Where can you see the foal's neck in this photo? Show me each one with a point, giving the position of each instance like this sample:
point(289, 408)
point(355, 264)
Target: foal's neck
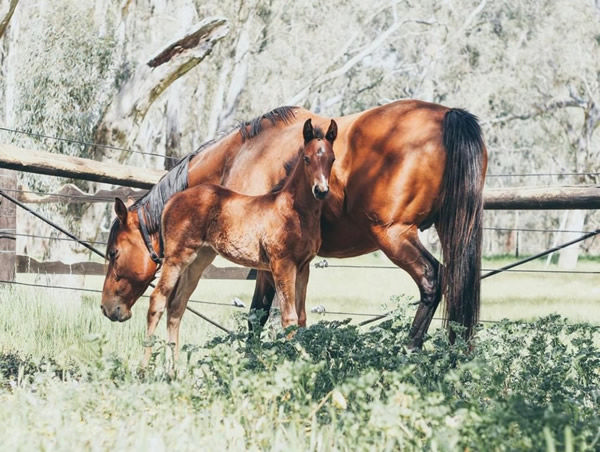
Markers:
point(300, 188)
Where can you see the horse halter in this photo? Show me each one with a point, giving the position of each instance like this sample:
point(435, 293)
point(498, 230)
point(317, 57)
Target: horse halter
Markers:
point(156, 257)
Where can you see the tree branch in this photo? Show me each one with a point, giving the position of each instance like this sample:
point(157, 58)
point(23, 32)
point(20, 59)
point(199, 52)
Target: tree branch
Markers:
point(123, 116)
point(374, 45)
point(539, 110)
point(6, 19)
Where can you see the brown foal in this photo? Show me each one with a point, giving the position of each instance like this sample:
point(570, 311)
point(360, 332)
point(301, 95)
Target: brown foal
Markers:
point(279, 232)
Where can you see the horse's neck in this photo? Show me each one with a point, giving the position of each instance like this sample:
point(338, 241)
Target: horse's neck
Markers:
point(300, 190)
point(208, 165)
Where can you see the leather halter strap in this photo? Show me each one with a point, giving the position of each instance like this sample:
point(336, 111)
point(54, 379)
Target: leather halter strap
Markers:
point(156, 257)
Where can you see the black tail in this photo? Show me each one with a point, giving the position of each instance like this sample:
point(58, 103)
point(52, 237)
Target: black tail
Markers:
point(459, 221)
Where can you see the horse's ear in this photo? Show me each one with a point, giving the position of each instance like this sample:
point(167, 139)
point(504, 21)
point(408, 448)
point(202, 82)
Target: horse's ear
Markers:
point(331, 132)
point(121, 210)
point(308, 132)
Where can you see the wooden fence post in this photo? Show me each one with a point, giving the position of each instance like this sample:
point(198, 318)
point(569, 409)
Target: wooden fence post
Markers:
point(8, 227)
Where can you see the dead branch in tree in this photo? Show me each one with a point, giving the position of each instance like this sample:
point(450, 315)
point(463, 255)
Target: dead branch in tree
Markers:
point(72, 194)
point(123, 116)
point(7, 16)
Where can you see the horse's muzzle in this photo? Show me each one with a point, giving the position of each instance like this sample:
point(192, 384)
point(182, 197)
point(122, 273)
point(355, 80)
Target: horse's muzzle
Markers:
point(319, 192)
point(117, 314)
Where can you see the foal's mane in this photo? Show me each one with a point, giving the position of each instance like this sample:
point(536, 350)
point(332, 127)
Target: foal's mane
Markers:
point(176, 180)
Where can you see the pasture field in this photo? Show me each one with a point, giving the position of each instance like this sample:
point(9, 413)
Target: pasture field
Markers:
point(70, 378)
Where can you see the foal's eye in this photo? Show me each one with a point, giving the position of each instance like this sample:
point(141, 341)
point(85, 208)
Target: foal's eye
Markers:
point(306, 159)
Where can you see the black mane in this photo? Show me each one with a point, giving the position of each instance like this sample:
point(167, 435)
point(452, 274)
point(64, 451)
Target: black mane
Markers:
point(249, 129)
point(153, 202)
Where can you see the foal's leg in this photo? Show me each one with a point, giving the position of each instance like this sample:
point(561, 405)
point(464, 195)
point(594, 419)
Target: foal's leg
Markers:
point(158, 300)
point(401, 244)
point(188, 280)
point(264, 292)
point(301, 285)
point(284, 274)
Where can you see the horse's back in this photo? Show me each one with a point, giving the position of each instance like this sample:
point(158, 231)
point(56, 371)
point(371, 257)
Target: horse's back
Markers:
point(395, 162)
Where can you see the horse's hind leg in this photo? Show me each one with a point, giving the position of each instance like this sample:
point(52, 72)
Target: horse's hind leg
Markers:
point(264, 292)
point(400, 242)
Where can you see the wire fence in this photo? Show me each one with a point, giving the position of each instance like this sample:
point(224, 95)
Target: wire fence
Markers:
point(59, 195)
point(83, 143)
point(544, 174)
point(98, 291)
point(324, 264)
point(236, 304)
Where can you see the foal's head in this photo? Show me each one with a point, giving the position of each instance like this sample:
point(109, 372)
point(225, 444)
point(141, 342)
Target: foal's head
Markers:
point(318, 157)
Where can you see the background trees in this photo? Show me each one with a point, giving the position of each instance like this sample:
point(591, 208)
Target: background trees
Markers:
point(529, 70)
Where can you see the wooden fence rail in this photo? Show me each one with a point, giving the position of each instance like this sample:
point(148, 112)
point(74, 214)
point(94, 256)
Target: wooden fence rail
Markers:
point(27, 264)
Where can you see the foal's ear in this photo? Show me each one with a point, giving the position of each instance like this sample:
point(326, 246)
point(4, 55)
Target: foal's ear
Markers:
point(331, 132)
point(121, 210)
point(308, 132)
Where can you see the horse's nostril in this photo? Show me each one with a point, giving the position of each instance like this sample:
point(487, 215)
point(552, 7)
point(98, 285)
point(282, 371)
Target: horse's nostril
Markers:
point(320, 194)
point(103, 309)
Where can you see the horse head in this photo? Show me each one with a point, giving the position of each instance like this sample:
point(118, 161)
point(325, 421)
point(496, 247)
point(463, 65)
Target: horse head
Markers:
point(130, 266)
point(318, 157)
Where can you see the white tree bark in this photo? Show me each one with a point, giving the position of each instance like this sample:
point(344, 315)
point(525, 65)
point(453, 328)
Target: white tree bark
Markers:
point(575, 222)
point(232, 78)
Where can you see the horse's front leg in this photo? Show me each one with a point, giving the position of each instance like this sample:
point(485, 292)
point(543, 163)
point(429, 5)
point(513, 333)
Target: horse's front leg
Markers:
point(158, 301)
point(284, 274)
point(185, 286)
point(301, 285)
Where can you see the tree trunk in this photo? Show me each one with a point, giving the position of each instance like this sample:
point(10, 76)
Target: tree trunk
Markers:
point(8, 227)
point(568, 257)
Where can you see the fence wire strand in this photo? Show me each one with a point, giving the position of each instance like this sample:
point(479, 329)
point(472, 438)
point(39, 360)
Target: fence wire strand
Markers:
point(84, 143)
point(214, 303)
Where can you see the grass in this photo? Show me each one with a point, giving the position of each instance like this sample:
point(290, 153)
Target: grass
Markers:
point(333, 387)
point(69, 378)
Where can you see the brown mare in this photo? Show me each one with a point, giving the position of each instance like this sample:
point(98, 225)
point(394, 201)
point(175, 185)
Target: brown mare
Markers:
point(279, 232)
point(399, 168)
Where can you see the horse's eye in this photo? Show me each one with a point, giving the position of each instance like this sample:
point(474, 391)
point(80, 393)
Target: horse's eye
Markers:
point(306, 159)
point(112, 254)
